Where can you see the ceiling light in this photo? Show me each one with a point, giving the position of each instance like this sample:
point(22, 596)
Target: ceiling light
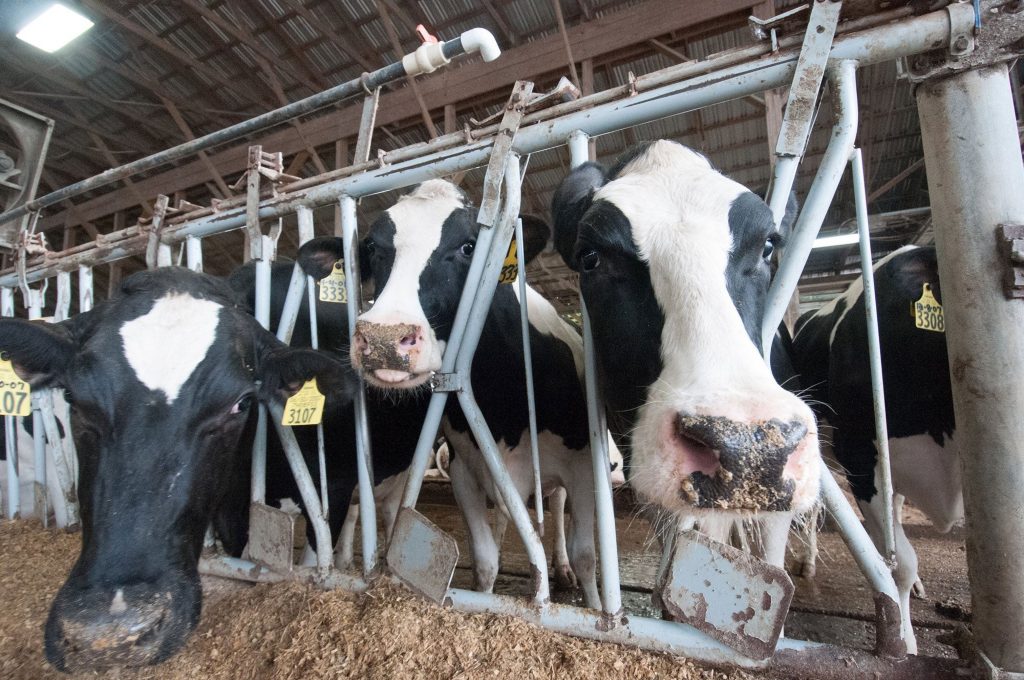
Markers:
point(54, 28)
point(838, 240)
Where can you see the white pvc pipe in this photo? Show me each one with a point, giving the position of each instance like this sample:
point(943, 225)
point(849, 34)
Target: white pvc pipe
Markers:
point(480, 40)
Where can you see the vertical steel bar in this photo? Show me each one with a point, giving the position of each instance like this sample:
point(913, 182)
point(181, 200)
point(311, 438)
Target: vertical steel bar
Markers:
point(607, 541)
point(367, 508)
point(85, 289)
point(531, 401)
point(783, 177)
point(874, 352)
point(259, 448)
point(975, 175)
point(10, 425)
point(844, 82)
point(62, 309)
point(41, 500)
point(194, 253)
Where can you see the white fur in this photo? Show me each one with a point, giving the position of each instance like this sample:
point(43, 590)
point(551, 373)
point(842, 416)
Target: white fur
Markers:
point(545, 319)
point(678, 207)
point(388, 497)
point(165, 345)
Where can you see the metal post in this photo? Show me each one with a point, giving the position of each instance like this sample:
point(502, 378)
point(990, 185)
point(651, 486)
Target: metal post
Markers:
point(85, 292)
point(975, 175)
point(844, 83)
point(367, 508)
point(62, 309)
point(607, 541)
point(875, 353)
point(10, 425)
point(194, 253)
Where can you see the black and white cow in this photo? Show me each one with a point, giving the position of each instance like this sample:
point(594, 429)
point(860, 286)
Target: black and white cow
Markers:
point(394, 423)
point(419, 252)
point(161, 380)
point(831, 355)
point(673, 260)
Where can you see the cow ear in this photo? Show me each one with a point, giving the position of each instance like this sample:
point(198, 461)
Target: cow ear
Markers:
point(536, 233)
point(40, 352)
point(283, 370)
point(571, 201)
point(317, 257)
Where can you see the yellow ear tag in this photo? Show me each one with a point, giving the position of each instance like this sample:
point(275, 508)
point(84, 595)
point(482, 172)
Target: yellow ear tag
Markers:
point(332, 286)
point(15, 393)
point(305, 407)
point(510, 267)
point(928, 312)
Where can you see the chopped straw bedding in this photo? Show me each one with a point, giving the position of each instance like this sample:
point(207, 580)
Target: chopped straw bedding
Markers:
point(295, 631)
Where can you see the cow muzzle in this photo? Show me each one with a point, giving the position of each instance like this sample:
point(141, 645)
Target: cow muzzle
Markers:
point(103, 628)
point(731, 465)
point(392, 355)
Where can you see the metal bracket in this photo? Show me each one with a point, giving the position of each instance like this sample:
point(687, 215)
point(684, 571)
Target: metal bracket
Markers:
point(447, 382)
point(769, 28)
point(421, 555)
point(366, 125)
point(1010, 238)
point(513, 116)
point(271, 166)
point(271, 537)
point(810, 70)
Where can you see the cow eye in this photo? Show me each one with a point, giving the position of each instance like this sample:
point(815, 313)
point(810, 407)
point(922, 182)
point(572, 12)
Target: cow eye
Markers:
point(467, 248)
point(769, 248)
point(589, 260)
point(242, 405)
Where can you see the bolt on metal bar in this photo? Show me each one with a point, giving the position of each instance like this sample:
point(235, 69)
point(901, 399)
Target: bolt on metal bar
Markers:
point(364, 460)
point(531, 401)
point(607, 541)
point(874, 353)
point(473, 40)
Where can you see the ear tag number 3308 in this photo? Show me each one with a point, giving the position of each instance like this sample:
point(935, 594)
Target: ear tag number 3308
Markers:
point(332, 286)
point(305, 407)
point(15, 394)
point(928, 312)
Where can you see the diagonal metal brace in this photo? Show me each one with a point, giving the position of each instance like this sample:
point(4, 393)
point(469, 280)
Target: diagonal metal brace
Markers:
point(514, 112)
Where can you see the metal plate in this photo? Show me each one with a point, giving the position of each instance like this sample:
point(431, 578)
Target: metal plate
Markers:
point(422, 556)
point(732, 596)
point(271, 537)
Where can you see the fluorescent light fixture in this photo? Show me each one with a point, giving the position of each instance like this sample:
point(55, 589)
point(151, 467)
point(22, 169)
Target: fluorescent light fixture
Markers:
point(832, 241)
point(54, 28)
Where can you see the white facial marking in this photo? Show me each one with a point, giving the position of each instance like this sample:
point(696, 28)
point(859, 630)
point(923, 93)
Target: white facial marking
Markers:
point(545, 319)
point(118, 605)
point(165, 345)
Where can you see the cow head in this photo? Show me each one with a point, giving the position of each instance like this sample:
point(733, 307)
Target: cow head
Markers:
point(161, 380)
point(418, 252)
point(673, 260)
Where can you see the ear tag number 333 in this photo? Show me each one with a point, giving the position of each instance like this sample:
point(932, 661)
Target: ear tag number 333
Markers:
point(14, 392)
point(305, 407)
point(332, 286)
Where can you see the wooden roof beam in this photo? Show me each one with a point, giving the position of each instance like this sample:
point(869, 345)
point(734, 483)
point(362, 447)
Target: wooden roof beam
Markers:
point(389, 27)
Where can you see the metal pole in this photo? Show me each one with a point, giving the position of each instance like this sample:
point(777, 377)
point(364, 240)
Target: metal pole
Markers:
point(194, 253)
point(874, 353)
point(607, 541)
point(85, 292)
point(844, 82)
point(367, 508)
point(10, 425)
point(975, 176)
point(531, 401)
point(259, 447)
point(62, 309)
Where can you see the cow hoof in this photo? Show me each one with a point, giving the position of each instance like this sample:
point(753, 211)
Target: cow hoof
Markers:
point(565, 579)
point(917, 590)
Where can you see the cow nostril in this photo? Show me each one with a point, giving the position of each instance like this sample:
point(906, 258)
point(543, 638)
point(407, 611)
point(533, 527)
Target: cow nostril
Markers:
point(409, 340)
point(361, 346)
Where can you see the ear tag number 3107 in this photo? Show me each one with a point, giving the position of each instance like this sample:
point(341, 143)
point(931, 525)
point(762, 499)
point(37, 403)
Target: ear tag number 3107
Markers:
point(15, 394)
point(928, 312)
point(305, 407)
point(332, 286)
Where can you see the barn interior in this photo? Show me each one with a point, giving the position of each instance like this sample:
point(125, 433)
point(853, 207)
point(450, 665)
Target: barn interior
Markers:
point(152, 74)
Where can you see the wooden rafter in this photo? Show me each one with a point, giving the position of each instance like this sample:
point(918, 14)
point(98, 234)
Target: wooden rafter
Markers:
point(389, 27)
point(203, 157)
point(328, 30)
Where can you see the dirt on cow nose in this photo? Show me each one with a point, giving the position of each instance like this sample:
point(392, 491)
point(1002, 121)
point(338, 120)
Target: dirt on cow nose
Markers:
point(386, 346)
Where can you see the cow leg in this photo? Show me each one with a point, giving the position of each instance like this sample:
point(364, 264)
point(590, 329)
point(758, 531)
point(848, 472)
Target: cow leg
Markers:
point(582, 553)
point(344, 548)
point(392, 502)
point(565, 579)
point(472, 501)
point(905, 573)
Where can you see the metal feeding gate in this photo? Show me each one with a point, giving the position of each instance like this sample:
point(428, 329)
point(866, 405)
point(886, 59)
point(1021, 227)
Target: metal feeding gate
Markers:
point(963, 94)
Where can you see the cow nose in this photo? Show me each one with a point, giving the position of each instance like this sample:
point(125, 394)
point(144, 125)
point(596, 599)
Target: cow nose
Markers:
point(106, 629)
point(733, 464)
point(390, 347)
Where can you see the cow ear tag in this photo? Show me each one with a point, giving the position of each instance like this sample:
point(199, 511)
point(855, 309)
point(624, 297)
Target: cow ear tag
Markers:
point(305, 407)
point(332, 286)
point(15, 393)
point(510, 267)
point(928, 312)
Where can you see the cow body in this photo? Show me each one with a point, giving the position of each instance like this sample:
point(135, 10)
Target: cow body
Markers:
point(674, 268)
point(161, 380)
point(831, 355)
point(419, 252)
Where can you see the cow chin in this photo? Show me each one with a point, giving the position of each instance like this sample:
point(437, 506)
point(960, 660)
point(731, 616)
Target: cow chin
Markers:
point(94, 628)
point(387, 379)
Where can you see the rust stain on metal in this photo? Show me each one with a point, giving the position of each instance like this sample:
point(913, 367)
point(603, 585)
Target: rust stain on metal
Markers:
point(888, 642)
